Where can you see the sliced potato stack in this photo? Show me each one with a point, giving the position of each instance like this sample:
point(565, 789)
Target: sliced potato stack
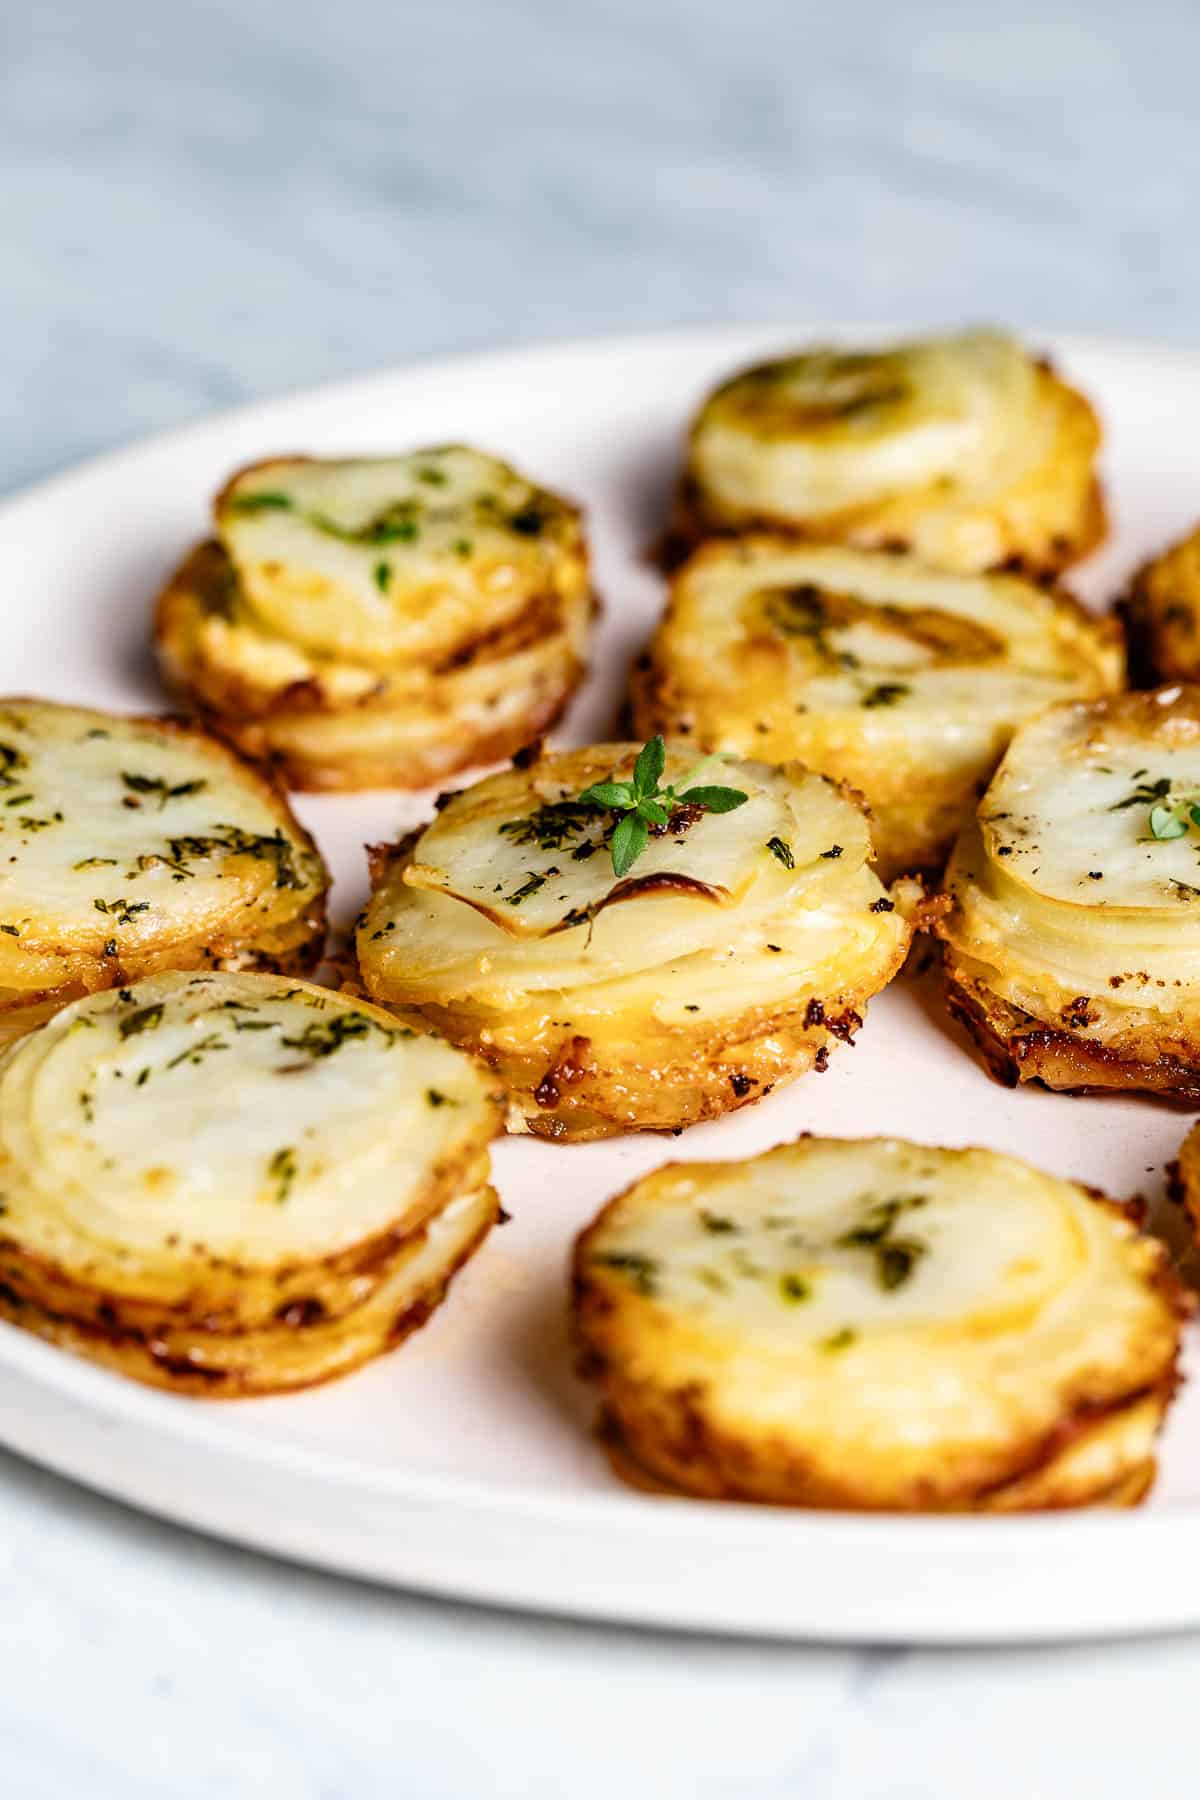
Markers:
point(882, 1326)
point(1072, 949)
point(966, 450)
point(381, 622)
point(131, 845)
point(1162, 615)
point(225, 1184)
point(905, 682)
point(729, 958)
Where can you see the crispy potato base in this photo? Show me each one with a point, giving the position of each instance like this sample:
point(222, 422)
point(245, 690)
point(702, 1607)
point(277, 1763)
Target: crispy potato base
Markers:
point(640, 1076)
point(302, 1347)
point(326, 727)
point(1049, 518)
point(1017, 1047)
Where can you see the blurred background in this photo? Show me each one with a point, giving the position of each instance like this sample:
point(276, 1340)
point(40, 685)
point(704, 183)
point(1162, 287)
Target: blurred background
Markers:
point(205, 201)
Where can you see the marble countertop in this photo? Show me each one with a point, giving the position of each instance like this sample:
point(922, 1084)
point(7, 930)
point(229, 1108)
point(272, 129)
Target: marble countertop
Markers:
point(214, 200)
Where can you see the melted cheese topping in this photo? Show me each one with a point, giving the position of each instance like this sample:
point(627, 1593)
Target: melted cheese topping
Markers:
point(131, 833)
point(288, 1122)
point(828, 430)
point(401, 559)
point(876, 1300)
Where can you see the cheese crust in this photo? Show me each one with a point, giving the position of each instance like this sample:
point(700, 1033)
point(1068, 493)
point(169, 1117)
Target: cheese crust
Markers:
point(1072, 941)
point(902, 681)
point(878, 1325)
point(129, 845)
point(734, 954)
point(1162, 615)
point(381, 622)
point(246, 1250)
point(963, 449)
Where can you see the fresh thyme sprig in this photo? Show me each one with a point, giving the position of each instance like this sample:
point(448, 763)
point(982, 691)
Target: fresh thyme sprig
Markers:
point(1170, 818)
point(643, 804)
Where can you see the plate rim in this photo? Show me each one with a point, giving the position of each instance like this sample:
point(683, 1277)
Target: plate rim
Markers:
point(182, 1424)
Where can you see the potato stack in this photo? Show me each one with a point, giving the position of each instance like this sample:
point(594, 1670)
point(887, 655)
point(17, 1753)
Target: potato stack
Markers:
point(903, 681)
point(735, 952)
point(381, 622)
point(130, 845)
point(879, 1325)
point(229, 1184)
point(965, 450)
point(1072, 947)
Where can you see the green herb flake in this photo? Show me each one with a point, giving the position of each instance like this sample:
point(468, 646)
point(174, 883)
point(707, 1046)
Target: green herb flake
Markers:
point(838, 1340)
point(781, 850)
point(529, 886)
point(717, 1223)
point(793, 1288)
point(283, 1171)
point(162, 791)
point(383, 576)
point(147, 1018)
point(886, 693)
point(263, 501)
point(641, 1270)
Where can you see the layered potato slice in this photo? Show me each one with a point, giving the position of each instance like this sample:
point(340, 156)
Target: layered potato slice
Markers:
point(1072, 944)
point(1162, 615)
point(129, 845)
point(878, 1325)
point(964, 449)
point(381, 622)
point(903, 681)
point(731, 956)
point(236, 1246)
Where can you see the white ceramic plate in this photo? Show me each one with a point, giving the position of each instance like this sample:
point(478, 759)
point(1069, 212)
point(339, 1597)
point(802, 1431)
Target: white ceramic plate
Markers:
point(463, 1464)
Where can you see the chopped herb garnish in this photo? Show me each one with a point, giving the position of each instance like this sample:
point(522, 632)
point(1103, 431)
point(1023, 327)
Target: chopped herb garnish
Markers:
point(793, 1288)
point(383, 576)
point(717, 1223)
point(147, 1018)
point(161, 790)
point(122, 910)
point(839, 1340)
point(195, 1053)
point(322, 1037)
point(96, 862)
point(260, 502)
point(529, 886)
point(642, 1270)
point(282, 1170)
point(886, 693)
point(781, 850)
point(551, 827)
